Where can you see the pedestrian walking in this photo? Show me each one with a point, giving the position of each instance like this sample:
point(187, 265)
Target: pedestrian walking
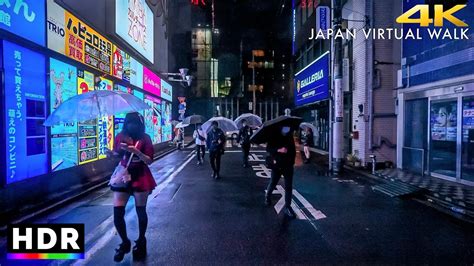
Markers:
point(307, 141)
point(200, 139)
point(215, 144)
point(281, 150)
point(133, 141)
point(244, 139)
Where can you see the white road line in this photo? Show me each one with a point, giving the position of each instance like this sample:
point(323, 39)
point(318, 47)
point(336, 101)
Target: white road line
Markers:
point(111, 233)
point(317, 214)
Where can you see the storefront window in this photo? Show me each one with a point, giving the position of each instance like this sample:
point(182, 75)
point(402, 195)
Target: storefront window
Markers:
point(467, 157)
point(443, 127)
point(415, 142)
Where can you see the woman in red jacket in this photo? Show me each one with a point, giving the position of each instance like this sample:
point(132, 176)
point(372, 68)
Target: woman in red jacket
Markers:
point(133, 140)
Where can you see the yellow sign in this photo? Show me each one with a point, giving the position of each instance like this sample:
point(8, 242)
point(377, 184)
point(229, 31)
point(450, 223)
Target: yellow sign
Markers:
point(86, 45)
point(439, 16)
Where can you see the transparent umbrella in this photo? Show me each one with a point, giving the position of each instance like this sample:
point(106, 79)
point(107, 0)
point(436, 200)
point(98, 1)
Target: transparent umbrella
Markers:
point(95, 104)
point(225, 124)
point(251, 119)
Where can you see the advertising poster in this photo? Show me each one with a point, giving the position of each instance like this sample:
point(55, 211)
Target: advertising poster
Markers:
point(166, 121)
point(166, 91)
point(153, 119)
point(87, 130)
point(136, 73)
point(134, 24)
point(126, 67)
point(157, 120)
point(63, 82)
point(24, 18)
point(467, 118)
point(25, 111)
point(55, 27)
point(140, 96)
point(151, 82)
point(63, 85)
point(443, 121)
point(119, 118)
point(86, 45)
point(181, 108)
point(312, 82)
point(117, 64)
point(106, 125)
point(85, 81)
point(148, 118)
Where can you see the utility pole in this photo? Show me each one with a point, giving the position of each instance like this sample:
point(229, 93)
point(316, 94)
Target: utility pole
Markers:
point(253, 86)
point(338, 138)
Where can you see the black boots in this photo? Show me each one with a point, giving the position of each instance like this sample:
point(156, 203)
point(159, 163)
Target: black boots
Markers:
point(139, 250)
point(122, 249)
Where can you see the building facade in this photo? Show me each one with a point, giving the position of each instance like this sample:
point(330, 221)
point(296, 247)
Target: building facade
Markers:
point(436, 105)
point(51, 53)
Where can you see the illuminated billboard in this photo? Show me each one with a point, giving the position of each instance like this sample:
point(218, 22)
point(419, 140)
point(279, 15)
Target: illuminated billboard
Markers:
point(312, 82)
point(24, 18)
point(151, 82)
point(63, 85)
point(166, 91)
point(136, 73)
point(134, 24)
point(25, 111)
point(72, 37)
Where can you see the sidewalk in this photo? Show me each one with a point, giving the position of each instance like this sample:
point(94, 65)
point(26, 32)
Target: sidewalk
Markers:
point(456, 198)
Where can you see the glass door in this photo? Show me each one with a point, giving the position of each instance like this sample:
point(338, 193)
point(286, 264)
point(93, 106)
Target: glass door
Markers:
point(467, 156)
point(443, 137)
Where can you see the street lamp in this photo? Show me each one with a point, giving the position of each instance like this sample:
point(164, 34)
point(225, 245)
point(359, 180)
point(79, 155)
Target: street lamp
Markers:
point(182, 76)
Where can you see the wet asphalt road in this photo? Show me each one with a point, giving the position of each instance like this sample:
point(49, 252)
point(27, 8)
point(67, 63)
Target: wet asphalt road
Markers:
point(196, 220)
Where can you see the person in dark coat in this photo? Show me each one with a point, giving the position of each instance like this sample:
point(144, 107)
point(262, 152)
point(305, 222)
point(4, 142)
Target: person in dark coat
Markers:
point(244, 139)
point(215, 144)
point(307, 141)
point(281, 150)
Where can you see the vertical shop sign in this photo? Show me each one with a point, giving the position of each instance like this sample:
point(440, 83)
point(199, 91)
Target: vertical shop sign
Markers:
point(25, 112)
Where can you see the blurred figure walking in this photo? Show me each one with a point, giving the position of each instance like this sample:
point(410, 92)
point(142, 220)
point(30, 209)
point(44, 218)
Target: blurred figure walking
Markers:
point(200, 139)
point(215, 144)
point(307, 141)
point(244, 139)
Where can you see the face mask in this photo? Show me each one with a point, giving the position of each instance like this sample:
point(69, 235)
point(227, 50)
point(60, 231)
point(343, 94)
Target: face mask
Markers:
point(285, 131)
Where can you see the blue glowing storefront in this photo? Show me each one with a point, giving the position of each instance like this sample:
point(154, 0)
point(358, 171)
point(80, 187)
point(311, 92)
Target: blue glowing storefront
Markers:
point(46, 61)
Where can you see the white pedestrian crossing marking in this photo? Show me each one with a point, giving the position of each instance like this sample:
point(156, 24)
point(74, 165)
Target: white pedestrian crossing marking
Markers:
point(262, 171)
point(314, 213)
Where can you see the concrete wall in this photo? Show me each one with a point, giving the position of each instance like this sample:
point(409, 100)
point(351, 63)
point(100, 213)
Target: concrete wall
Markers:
point(388, 52)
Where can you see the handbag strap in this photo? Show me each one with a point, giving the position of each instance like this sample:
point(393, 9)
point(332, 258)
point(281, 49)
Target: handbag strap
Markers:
point(131, 156)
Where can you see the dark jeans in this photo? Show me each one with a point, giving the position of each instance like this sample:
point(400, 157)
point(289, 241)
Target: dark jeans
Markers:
point(215, 158)
point(288, 175)
point(200, 149)
point(246, 151)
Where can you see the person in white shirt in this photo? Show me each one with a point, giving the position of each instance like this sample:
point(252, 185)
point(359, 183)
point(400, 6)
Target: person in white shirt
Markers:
point(200, 139)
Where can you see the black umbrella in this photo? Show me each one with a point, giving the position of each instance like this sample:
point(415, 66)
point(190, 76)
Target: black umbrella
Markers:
point(194, 119)
point(273, 127)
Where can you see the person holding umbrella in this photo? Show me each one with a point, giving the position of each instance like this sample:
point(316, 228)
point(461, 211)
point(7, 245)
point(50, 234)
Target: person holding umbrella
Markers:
point(133, 141)
point(307, 141)
point(200, 138)
point(215, 144)
point(244, 139)
point(281, 152)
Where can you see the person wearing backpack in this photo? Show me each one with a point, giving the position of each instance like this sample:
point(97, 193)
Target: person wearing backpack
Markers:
point(244, 139)
point(200, 139)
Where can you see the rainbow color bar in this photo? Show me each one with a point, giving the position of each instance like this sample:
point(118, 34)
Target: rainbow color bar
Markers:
point(45, 256)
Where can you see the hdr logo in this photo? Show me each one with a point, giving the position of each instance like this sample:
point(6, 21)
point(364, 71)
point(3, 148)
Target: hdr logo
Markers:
point(45, 241)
